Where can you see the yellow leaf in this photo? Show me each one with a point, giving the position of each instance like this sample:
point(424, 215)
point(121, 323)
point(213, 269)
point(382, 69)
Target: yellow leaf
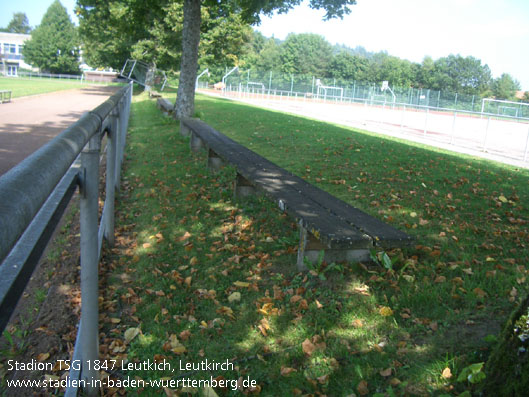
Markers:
point(503, 199)
point(447, 374)
point(174, 345)
point(234, 297)
point(385, 311)
point(242, 284)
point(130, 334)
point(43, 357)
point(358, 323)
point(413, 214)
point(227, 311)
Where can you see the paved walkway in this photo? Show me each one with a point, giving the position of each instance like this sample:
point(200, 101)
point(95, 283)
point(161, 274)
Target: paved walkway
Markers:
point(28, 123)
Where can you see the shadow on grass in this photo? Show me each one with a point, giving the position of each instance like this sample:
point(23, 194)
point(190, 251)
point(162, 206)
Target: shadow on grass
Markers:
point(188, 247)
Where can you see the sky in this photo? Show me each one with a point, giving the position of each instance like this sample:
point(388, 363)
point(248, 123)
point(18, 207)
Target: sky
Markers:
point(496, 32)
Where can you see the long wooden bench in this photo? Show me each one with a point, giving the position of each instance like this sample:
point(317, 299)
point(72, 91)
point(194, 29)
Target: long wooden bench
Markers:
point(164, 105)
point(326, 223)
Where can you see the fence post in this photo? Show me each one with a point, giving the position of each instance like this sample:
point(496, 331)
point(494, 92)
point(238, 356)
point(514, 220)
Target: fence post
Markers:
point(453, 128)
point(526, 147)
point(111, 181)
point(426, 121)
point(486, 135)
point(89, 264)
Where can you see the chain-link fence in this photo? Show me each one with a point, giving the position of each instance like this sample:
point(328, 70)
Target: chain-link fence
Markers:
point(499, 128)
point(275, 83)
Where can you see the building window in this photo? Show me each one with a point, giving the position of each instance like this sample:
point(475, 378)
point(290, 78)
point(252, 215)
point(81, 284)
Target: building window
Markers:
point(12, 70)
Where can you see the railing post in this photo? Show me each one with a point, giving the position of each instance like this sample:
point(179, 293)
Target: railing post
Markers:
point(111, 182)
point(89, 264)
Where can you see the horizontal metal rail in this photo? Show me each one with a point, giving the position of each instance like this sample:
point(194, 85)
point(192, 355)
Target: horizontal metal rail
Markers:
point(34, 195)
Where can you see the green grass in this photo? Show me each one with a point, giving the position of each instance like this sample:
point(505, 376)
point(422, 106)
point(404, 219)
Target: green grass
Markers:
point(21, 87)
point(185, 247)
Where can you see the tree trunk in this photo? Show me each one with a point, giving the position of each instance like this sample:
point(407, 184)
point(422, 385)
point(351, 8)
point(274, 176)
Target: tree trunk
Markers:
point(185, 100)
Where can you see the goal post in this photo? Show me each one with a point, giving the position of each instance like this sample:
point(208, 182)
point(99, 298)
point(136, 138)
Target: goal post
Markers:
point(504, 108)
point(144, 74)
point(324, 90)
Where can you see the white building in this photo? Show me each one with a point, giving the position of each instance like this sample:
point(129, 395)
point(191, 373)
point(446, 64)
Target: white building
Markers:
point(11, 57)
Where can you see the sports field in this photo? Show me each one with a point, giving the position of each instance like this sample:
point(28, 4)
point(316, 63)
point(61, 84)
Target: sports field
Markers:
point(498, 138)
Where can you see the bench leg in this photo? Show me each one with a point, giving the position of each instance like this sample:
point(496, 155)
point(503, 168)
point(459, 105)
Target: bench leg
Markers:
point(184, 131)
point(215, 163)
point(243, 187)
point(310, 248)
point(195, 143)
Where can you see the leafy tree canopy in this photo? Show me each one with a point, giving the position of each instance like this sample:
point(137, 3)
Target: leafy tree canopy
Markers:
point(505, 87)
point(19, 24)
point(53, 46)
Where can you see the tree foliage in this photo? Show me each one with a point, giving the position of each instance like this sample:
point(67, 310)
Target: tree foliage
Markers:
point(113, 31)
point(505, 87)
point(18, 24)
point(53, 46)
point(305, 53)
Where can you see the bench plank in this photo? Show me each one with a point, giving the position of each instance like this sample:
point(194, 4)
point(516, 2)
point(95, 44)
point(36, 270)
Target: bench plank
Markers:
point(336, 224)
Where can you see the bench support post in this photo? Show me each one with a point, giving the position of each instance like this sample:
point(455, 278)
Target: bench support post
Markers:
point(310, 247)
point(215, 163)
point(184, 130)
point(195, 143)
point(243, 187)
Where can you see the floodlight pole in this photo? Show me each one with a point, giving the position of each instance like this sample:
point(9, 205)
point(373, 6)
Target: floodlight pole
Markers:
point(226, 75)
point(199, 76)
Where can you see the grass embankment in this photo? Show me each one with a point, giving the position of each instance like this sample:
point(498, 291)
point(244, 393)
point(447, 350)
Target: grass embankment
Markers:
point(21, 86)
point(197, 275)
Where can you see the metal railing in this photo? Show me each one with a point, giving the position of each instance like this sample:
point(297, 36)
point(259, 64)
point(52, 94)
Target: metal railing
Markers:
point(34, 195)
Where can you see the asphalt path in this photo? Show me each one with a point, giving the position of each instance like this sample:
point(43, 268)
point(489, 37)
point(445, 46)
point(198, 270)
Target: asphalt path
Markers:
point(27, 123)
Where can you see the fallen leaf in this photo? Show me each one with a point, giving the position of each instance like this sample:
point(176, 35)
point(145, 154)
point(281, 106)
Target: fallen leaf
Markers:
point(184, 335)
point(295, 298)
point(242, 284)
point(447, 374)
point(174, 345)
point(357, 323)
point(386, 372)
point(130, 334)
point(227, 311)
point(385, 311)
point(285, 371)
point(234, 297)
point(43, 357)
point(362, 388)
point(480, 293)
point(308, 347)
